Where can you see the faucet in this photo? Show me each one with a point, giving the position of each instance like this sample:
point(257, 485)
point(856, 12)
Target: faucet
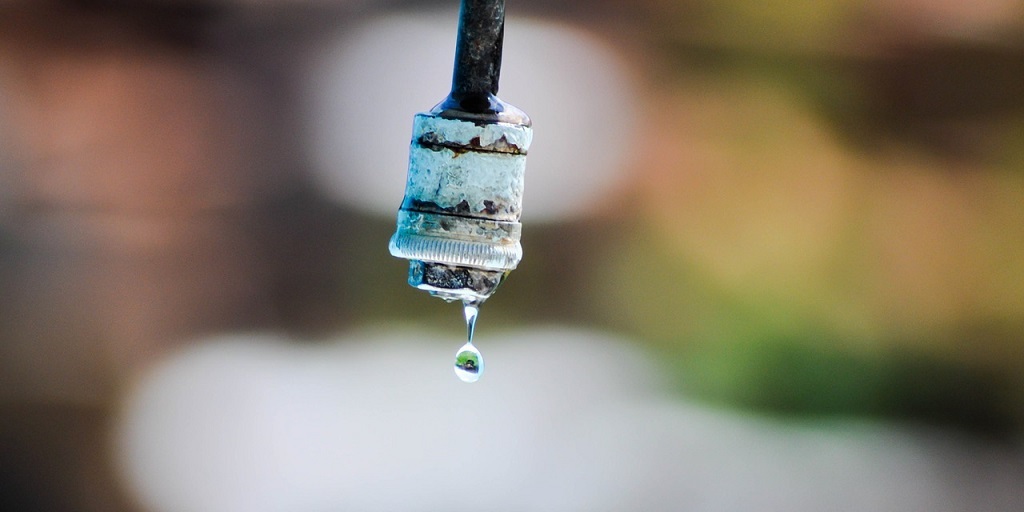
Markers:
point(458, 224)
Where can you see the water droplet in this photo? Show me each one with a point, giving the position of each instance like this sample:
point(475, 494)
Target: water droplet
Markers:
point(469, 363)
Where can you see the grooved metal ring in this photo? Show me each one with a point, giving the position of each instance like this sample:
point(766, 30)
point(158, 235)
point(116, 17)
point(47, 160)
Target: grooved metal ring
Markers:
point(456, 252)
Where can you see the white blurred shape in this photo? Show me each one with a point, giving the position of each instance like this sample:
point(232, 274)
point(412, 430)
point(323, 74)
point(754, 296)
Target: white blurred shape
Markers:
point(563, 421)
point(366, 89)
point(255, 424)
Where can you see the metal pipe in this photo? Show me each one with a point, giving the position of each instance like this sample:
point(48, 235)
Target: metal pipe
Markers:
point(478, 54)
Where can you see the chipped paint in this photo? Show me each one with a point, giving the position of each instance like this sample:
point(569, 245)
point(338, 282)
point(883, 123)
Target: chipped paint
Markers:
point(503, 137)
point(453, 161)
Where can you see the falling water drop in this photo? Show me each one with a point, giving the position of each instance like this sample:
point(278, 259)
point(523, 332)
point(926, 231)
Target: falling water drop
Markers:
point(469, 363)
point(471, 310)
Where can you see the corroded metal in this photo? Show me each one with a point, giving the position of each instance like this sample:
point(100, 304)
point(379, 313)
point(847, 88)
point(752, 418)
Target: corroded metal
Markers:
point(459, 222)
point(478, 53)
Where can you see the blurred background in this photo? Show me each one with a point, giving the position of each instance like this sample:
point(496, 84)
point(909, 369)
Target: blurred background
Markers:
point(774, 259)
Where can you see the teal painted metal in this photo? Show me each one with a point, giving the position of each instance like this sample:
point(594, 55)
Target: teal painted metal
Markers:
point(459, 222)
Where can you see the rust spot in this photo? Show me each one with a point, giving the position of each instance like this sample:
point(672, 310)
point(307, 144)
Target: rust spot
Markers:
point(431, 207)
point(490, 208)
point(433, 142)
point(417, 205)
point(504, 146)
point(461, 210)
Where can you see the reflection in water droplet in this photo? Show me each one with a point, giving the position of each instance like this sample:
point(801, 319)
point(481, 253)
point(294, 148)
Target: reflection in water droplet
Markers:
point(469, 363)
